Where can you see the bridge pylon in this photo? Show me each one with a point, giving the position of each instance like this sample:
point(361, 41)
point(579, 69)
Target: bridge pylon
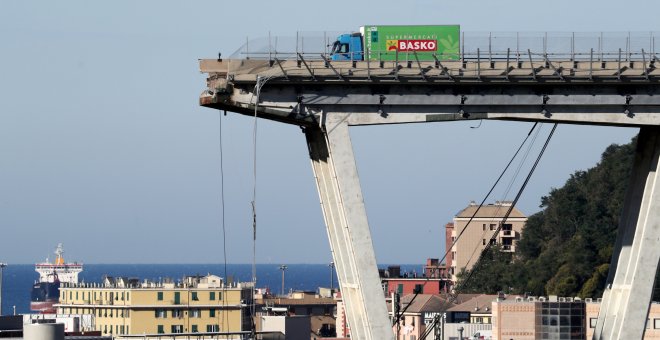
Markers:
point(338, 184)
point(629, 288)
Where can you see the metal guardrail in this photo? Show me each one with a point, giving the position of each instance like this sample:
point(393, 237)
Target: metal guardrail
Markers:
point(596, 46)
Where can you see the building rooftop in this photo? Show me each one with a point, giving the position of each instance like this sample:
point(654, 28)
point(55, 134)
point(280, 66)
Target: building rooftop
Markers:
point(423, 303)
point(479, 304)
point(307, 300)
point(209, 281)
point(497, 210)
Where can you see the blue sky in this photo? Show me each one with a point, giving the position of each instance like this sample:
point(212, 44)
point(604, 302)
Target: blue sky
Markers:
point(103, 146)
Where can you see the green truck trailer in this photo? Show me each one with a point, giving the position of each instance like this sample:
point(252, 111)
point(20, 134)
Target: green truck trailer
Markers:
point(386, 43)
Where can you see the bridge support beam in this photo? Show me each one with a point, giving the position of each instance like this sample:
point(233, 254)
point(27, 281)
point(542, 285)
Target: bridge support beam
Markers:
point(625, 305)
point(333, 162)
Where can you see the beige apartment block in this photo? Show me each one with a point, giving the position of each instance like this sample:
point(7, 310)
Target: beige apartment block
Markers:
point(198, 304)
point(554, 317)
point(478, 233)
point(652, 322)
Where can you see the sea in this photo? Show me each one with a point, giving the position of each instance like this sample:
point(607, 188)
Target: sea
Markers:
point(18, 279)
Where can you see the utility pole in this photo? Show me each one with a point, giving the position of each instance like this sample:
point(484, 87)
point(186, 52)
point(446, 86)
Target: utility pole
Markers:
point(283, 268)
point(2, 267)
point(332, 274)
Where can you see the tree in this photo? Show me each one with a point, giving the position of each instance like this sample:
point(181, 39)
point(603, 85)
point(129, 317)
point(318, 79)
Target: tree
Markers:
point(565, 249)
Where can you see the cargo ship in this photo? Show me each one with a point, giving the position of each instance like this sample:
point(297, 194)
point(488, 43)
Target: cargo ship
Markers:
point(46, 292)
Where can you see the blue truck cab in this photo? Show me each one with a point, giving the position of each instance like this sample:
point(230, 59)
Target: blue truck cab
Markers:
point(347, 47)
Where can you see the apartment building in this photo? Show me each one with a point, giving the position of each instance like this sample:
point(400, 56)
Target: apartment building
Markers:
point(552, 317)
point(197, 304)
point(479, 225)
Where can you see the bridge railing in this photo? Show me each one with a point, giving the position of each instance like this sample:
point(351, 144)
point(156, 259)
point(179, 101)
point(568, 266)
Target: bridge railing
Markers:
point(598, 46)
point(612, 55)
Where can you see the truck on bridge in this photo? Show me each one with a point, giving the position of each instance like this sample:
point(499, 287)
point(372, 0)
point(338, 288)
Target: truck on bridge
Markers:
point(382, 43)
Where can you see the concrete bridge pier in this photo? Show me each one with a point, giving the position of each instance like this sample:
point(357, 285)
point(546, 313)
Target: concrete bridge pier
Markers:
point(333, 162)
point(625, 306)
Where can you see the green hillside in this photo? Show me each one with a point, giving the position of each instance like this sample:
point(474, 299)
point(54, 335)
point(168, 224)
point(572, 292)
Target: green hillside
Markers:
point(565, 249)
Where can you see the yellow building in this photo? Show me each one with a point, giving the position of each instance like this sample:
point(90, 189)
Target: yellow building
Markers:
point(196, 305)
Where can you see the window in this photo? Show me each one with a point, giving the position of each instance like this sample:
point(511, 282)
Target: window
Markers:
point(492, 226)
point(121, 328)
point(176, 313)
point(177, 328)
point(483, 242)
point(160, 296)
point(194, 296)
point(399, 288)
point(161, 313)
point(219, 295)
point(492, 242)
point(335, 47)
point(195, 313)
point(484, 226)
point(194, 329)
point(76, 295)
point(161, 329)
point(212, 328)
point(127, 295)
point(656, 323)
point(122, 296)
point(212, 296)
point(177, 298)
point(419, 289)
point(211, 313)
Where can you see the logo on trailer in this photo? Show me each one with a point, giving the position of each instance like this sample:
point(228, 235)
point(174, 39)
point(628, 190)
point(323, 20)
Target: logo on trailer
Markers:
point(412, 45)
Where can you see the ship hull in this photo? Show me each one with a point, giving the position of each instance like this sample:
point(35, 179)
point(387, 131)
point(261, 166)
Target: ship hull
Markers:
point(44, 296)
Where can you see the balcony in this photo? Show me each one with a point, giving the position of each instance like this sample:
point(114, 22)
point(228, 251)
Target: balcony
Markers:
point(508, 248)
point(507, 233)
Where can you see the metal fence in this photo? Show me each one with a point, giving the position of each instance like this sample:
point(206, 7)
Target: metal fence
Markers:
point(596, 46)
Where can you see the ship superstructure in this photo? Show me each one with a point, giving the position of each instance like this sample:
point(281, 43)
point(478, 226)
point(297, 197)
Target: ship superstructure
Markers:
point(45, 292)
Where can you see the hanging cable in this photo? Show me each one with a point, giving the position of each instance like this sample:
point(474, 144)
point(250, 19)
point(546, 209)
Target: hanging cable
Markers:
point(506, 216)
point(454, 296)
point(508, 188)
point(257, 92)
point(224, 229)
point(447, 251)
